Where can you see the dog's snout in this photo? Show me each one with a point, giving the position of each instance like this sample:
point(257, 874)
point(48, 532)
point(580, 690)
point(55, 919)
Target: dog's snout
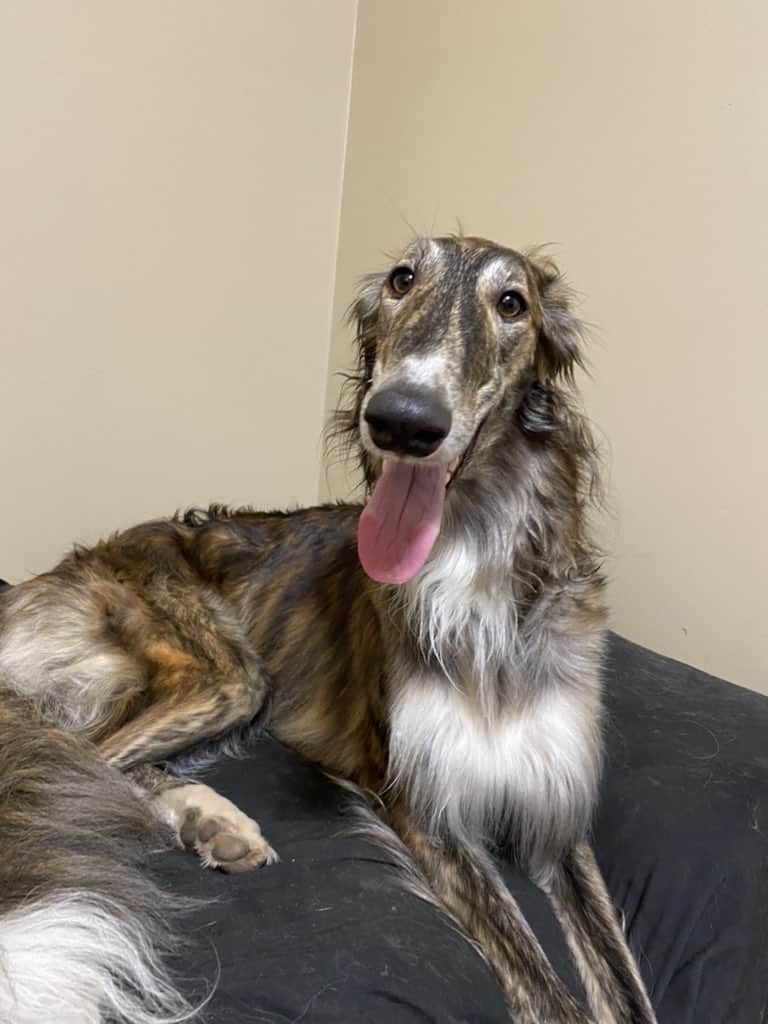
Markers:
point(408, 422)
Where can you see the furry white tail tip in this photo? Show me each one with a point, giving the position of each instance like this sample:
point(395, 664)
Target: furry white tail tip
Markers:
point(73, 959)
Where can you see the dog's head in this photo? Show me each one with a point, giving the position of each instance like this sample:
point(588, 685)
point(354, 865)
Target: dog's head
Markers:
point(460, 332)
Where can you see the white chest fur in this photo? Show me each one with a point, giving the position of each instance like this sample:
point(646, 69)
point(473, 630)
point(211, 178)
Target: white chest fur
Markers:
point(527, 778)
point(458, 602)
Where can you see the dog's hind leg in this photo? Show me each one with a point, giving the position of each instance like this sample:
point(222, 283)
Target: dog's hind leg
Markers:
point(195, 695)
point(463, 879)
point(202, 678)
point(204, 821)
point(583, 906)
point(186, 715)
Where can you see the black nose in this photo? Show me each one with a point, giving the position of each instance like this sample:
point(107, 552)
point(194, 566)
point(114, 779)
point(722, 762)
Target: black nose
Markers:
point(407, 422)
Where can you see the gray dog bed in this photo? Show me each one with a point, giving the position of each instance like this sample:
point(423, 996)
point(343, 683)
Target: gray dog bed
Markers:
point(329, 935)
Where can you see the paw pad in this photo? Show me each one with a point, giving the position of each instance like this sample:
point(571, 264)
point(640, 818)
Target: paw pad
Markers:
point(232, 843)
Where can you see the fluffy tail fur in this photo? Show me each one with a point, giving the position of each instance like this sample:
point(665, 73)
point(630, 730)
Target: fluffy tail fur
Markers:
point(82, 931)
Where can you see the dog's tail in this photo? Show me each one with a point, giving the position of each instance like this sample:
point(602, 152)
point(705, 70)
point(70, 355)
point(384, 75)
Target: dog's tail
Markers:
point(83, 933)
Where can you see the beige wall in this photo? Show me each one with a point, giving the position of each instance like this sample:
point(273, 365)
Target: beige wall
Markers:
point(170, 178)
point(635, 137)
point(171, 175)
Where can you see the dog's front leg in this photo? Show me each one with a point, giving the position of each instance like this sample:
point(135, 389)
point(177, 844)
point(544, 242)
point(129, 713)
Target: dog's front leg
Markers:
point(463, 878)
point(583, 906)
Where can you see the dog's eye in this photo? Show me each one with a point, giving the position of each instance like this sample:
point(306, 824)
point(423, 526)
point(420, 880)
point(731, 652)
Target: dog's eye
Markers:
point(401, 280)
point(511, 304)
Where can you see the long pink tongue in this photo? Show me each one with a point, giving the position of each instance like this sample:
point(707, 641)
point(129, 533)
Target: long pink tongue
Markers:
point(401, 521)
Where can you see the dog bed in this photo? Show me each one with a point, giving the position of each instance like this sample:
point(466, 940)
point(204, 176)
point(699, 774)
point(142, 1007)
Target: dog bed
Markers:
point(330, 934)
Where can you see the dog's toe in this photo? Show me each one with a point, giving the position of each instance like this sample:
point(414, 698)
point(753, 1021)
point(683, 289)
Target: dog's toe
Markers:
point(221, 835)
point(233, 843)
point(256, 857)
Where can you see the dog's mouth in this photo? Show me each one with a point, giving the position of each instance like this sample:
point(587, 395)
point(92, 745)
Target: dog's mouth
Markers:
point(401, 521)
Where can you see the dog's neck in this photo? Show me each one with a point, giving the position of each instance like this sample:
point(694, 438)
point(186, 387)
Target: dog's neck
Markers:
point(506, 536)
point(464, 608)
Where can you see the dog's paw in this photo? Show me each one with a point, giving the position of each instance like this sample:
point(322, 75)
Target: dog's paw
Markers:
point(221, 835)
point(228, 840)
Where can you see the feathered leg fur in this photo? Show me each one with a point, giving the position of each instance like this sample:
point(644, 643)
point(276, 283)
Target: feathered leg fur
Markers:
point(583, 906)
point(462, 876)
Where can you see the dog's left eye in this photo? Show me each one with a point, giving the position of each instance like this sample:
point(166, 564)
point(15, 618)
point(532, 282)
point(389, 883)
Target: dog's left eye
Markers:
point(511, 304)
point(401, 280)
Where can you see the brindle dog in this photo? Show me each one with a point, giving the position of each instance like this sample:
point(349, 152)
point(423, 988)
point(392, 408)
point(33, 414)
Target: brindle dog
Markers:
point(440, 648)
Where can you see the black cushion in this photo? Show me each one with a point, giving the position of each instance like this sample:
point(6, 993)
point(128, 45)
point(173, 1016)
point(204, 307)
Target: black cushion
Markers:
point(681, 834)
point(330, 935)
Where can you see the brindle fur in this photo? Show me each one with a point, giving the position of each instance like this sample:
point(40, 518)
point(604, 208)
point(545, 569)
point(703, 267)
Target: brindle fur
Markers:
point(176, 631)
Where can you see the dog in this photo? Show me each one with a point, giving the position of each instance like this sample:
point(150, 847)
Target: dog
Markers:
point(439, 649)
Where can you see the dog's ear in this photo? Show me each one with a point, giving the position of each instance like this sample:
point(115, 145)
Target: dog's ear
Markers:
point(561, 336)
point(363, 315)
point(343, 432)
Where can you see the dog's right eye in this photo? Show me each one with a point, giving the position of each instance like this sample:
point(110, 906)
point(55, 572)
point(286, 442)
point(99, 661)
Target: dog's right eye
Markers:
point(511, 305)
point(401, 280)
